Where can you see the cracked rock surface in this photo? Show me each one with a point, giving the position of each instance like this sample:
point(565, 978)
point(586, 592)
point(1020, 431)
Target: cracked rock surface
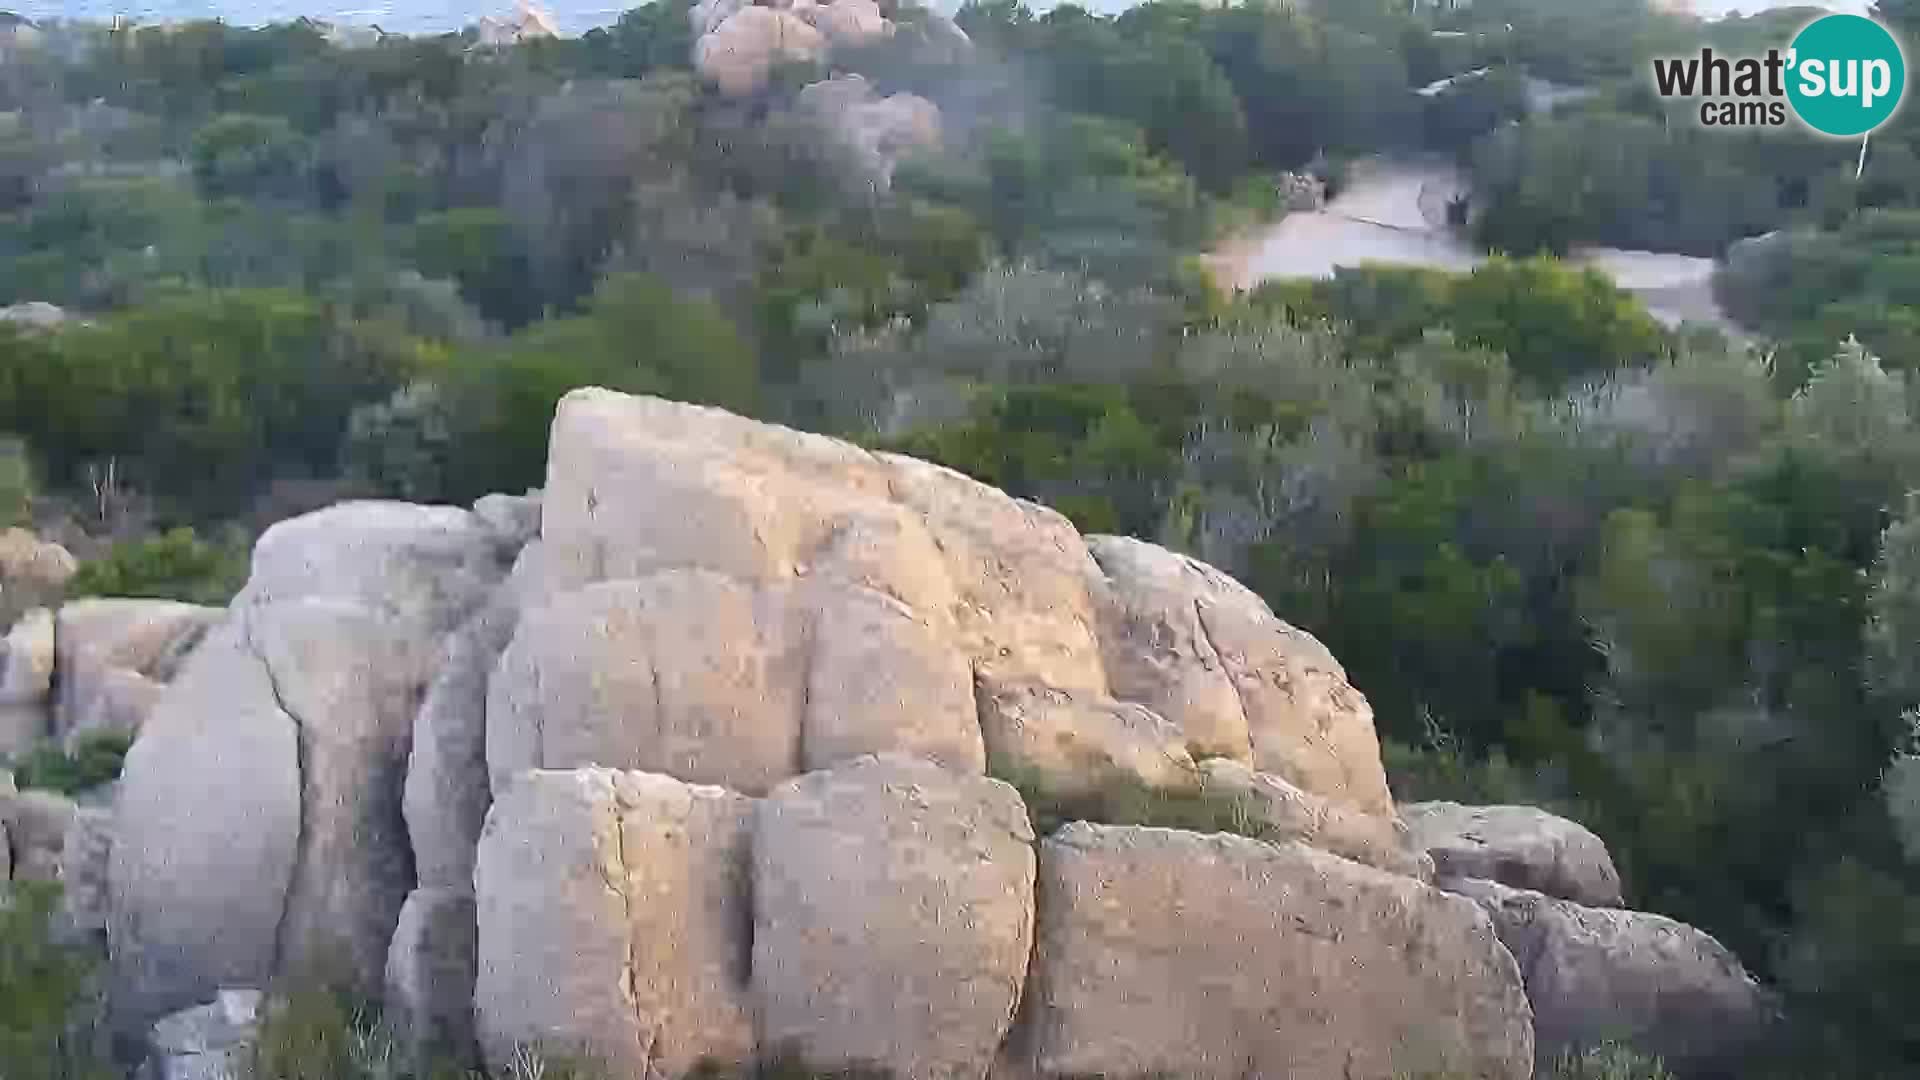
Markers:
point(259, 826)
point(688, 757)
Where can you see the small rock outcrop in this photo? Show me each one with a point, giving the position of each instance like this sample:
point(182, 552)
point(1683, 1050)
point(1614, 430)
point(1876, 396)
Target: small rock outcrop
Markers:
point(33, 573)
point(36, 824)
point(26, 682)
point(737, 44)
point(1207, 653)
point(205, 1042)
point(739, 54)
point(114, 656)
point(1599, 974)
point(34, 315)
point(95, 665)
point(875, 133)
point(1289, 962)
point(1521, 846)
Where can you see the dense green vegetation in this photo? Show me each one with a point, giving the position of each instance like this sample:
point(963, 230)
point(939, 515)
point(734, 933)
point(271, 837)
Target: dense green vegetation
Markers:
point(95, 760)
point(1658, 580)
point(47, 991)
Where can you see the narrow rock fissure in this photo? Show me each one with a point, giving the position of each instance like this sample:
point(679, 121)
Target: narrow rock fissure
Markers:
point(280, 944)
point(644, 1036)
point(1206, 636)
point(809, 665)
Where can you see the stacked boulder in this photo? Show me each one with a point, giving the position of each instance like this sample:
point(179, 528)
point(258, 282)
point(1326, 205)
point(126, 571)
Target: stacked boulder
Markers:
point(739, 43)
point(94, 665)
point(701, 755)
point(874, 133)
point(1594, 973)
point(49, 838)
point(259, 823)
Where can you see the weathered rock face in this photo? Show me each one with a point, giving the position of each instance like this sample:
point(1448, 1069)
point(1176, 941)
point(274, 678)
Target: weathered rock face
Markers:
point(482, 789)
point(737, 42)
point(740, 53)
point(614, 919)
point(845, 23)
point(26, 680)
point(33, 572)
point(1208, 654)
point(1288, 962)
point(259, 826)
point(207, 825)
point(684, 672)
point(1291, 814)
point(1596, 974)
point(893, 917)
point(430, 975)
point(85, 855)
point(1072, 742)
point(875, 133)
point(36, 823)
point(206, 1042)
point(880, 676)
point(1521, 846)
point(114, 656)
point(447, 794)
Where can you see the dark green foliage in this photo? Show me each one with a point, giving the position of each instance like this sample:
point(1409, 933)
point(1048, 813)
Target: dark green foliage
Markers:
point(176, 565)
point(1812, 288)
point(1097, 459)
point(48, 992)
point(479, 249)
point(1124, 800)
point(1552, 322)
point(238, 155)
point(784, 1066)
point(635, 336)
point(95, 760)
point(201, 397)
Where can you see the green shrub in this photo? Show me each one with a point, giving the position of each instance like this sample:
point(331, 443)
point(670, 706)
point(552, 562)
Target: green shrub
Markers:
point(784, 1066)
point(95, 760)
point(1125, 800)
point(312, 1031)
point(176, 565)
point(1608, 1061)
point(48, 996)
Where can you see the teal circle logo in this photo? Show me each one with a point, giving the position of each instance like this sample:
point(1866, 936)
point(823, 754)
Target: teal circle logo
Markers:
point(1846, 75)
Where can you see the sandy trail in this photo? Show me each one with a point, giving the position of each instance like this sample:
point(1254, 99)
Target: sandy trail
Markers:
point(1394, 213)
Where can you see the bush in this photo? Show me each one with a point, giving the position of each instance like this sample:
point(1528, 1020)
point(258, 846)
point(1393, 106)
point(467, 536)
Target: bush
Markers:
point(1609, 1061)
point(177, 565)
point(48, 998)
point(96, 760)
point(1125, 800)
point(312, 1031)
point(635, 336)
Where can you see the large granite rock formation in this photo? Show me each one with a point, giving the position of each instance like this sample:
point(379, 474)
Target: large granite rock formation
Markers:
point(689, 758)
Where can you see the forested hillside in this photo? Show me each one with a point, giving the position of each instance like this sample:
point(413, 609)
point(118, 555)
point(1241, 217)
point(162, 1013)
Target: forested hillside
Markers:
point(1663, 582)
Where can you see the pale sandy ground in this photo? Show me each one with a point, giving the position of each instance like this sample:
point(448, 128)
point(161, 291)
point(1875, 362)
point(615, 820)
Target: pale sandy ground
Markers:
point(1394, 213)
